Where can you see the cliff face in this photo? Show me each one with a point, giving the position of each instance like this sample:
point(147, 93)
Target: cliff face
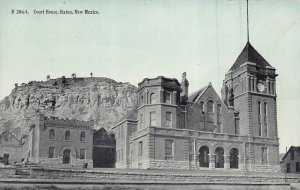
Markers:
point(100, 99)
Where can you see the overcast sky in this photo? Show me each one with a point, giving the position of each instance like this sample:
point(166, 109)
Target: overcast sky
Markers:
point(132, 40)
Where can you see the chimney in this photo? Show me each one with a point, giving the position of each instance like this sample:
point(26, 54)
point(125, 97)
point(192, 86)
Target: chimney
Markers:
point(185, 87)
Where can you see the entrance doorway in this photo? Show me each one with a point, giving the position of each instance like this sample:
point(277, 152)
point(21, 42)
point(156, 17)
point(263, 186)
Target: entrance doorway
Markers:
point(66, 156)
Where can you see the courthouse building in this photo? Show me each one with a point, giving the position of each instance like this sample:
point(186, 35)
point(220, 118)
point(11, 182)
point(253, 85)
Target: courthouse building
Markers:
point(177, 130)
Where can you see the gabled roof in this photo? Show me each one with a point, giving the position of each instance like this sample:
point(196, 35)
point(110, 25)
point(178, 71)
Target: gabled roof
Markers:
point(297, 148)
point(196, 94)
point(249, 54)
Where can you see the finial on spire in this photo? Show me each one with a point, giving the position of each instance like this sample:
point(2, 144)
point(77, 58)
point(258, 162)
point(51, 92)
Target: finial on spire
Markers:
point(247, 23)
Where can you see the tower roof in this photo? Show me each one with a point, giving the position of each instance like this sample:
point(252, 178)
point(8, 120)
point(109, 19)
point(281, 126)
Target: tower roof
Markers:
point(249, 54)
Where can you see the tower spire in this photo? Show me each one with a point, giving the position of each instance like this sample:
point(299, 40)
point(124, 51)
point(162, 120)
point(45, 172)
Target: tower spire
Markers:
point(247, 23)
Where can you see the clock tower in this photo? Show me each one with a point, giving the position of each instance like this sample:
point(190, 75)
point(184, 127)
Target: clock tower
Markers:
point(249, 91)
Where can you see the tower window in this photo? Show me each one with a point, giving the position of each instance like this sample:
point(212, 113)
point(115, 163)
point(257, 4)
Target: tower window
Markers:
point(141, 121)
point(167, 98)
point(297, 166)
point(140, 148)
point(153, 118)
point(142, 100)
point(265, 108)
point(210, 106)
point(152, 98)
point(236, 126)
point(168, 119)
point(264, 157)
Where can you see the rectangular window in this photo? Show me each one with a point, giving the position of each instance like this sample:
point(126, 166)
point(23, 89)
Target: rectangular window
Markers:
point(292, 155)
point(259, 129)
point(169, 149)
point(82, 153)
point(297, 166)
point(236, 126)
point(51, 152)
point(264, 155)
point(167, 98)
point(140, 148)
point(288, 168)
point(168, 119)
point(152, 118)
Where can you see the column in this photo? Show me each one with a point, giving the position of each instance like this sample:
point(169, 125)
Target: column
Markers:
point(212, 158)
point(226, 162)
point(255, 84)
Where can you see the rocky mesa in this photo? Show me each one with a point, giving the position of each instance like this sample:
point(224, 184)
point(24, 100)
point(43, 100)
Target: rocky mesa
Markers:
point(100, 99)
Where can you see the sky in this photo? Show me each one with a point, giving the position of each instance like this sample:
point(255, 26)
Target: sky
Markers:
point(131, 40)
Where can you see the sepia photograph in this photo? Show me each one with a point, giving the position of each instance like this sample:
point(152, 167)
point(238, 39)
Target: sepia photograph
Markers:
point(150, 94)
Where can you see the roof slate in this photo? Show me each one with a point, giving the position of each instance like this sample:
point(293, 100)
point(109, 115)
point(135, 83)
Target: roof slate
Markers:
point(249, 54)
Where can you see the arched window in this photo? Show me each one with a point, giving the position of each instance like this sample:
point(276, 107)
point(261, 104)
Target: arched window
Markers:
point(51, 134)
point(201, 104)
point(82, 136)
point(219, 160)
point(258, 108)
point(219, 109)
point(210, 106)
point(67, 136)
point(204, 156)
point(234, 158)
point(265, 108)
point(152, 98)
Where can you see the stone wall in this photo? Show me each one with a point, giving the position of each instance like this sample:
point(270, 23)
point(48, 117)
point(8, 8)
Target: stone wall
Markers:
point(8, 171)
point(57, 163)
point(156, 175)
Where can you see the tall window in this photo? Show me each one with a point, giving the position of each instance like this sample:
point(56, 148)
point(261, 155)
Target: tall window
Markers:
point(141, 121)
point(264, 157)
point(82, 153)
point(297, 166)
point(168, 119)
point(122, 131)
point(152, 98)
point(51, 134)
point(210, 106)
point(259, 111)
point(140, 148)
point(67, 136)
point(169, 149)
point(82, 136)
point(204, 156)
point(153, 118)
point(219, 117)
point(259, 129)
point(265, 108)
point(201, 105)
point(236, 126)
point(167, 98)
point(51, 152)
point(292, 154)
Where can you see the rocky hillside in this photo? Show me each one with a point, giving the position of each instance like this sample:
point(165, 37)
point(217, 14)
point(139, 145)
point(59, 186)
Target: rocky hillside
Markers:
point(100, 99)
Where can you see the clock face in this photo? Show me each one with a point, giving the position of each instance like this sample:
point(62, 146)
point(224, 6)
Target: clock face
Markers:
point(261, 87)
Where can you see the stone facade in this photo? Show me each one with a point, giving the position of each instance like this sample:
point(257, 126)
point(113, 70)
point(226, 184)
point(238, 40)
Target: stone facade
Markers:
point(177, 130)
point(290, 162)
point(11, 148)
point(61, 143)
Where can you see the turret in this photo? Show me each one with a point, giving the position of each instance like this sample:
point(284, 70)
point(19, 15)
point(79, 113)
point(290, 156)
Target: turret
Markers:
point(185, 88)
